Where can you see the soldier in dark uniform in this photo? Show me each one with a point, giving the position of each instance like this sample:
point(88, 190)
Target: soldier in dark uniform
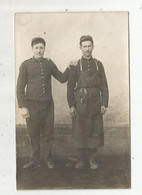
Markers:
point(87, 94)
point(34, 94)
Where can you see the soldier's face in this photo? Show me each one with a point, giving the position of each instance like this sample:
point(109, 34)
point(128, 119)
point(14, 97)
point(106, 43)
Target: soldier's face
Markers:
point(86, 48)
point(38, 50)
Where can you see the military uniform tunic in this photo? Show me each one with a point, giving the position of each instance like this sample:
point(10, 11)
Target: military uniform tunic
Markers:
point(35, 75)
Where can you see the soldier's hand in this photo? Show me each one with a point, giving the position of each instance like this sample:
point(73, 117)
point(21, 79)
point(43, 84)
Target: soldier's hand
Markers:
point(103, 110)
point(24, 112)
point(72, 63)
point(73, 111)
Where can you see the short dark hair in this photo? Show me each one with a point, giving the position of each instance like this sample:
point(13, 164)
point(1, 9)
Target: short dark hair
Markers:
point(37, 40)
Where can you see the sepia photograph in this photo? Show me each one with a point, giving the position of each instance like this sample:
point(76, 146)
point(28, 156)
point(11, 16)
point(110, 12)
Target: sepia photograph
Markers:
point(72, 100)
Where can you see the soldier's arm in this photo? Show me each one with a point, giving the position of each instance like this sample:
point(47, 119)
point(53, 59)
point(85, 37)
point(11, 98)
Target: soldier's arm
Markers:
point(71, 86)
point(103, 86)
point(21, 84)
point(61, 77)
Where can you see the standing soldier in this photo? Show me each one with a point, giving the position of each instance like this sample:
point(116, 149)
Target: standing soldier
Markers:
point(87, 94)
point(34, 94)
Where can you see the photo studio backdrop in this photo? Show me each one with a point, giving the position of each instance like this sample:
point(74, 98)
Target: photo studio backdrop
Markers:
point(62, 32)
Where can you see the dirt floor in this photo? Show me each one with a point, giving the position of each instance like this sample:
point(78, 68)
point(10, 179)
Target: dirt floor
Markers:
point(114, 173)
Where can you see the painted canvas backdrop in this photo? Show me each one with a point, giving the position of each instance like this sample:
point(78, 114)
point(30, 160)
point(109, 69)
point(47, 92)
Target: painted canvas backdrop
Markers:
point(62, 32)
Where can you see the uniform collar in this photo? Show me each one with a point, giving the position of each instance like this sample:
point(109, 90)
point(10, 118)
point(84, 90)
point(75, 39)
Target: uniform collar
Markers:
point(85, 59)
point(38, 60)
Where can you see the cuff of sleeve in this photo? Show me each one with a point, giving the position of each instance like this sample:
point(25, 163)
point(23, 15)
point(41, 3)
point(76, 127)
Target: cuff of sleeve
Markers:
point(105, 105)
point(22, 105)
point(71, 105)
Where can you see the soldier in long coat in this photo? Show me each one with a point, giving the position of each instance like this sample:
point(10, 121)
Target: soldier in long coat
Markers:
point(34, 94)
point(87, 95)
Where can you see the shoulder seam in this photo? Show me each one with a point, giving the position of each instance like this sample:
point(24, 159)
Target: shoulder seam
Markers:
point(26, 60)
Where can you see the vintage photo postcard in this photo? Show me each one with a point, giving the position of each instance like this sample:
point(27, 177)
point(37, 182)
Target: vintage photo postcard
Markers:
point(72, 100)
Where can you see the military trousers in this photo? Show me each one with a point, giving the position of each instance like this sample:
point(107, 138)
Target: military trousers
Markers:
point(40, 124)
